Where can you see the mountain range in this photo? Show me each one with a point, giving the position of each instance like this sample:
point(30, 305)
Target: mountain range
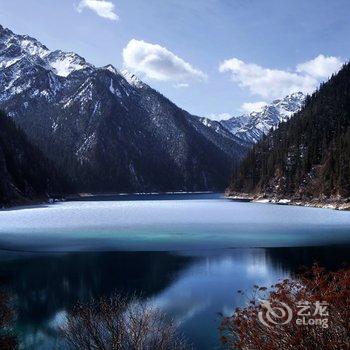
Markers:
point(106, 130)
point(253, 126)
point(69, 126)
point(307, 158)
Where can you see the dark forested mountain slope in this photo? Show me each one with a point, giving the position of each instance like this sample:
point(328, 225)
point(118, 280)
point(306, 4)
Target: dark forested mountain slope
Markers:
point(307, 157)
point(25, 173)
point(108, 129)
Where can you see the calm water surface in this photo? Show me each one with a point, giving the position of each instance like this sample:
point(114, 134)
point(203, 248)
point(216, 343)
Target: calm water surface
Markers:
point(188, 254)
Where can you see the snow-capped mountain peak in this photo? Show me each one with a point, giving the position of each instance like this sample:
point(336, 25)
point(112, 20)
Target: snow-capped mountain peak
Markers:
point(289, 104)
point(132, 79)
point(251, 127)
point(14, 48)
point(111, 68)
point(31, 46)
point(64, 63)
point(24, 44)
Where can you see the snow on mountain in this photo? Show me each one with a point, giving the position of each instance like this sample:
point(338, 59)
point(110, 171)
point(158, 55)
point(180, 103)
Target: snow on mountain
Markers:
point(132, 79)
point(17, 47)
point(117, 131)
point(251, 127)
point(221, 130)
point(64, 63)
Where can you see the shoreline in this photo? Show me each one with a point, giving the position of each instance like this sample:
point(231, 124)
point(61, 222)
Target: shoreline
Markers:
point(111, 194)
point(20, 204)
point(334, 203)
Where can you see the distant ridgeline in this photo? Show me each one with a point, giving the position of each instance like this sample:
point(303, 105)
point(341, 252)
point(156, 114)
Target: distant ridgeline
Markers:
point(25, 173)
point(307, 157)
point(110, 131)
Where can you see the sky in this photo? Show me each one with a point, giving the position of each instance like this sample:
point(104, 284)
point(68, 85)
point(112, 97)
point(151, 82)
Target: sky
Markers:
point(214, 58)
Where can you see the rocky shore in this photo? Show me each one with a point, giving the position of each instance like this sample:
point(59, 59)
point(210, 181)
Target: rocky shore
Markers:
point(333, 202)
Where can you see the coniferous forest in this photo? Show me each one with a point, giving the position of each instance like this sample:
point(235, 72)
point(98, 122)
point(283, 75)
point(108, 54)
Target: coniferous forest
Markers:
point(308, 156)
point(25, 173)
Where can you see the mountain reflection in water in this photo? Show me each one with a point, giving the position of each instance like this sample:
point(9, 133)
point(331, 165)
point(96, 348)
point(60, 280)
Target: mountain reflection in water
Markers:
point(192, 286)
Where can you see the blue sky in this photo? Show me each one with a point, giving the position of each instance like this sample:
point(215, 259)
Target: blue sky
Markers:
point(208, 56)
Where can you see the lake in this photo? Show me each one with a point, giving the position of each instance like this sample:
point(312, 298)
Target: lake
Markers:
point(188, 253)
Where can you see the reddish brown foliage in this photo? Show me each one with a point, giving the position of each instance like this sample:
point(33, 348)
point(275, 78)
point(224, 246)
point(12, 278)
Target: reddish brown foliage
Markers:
point(244, 331)
point(7, 339)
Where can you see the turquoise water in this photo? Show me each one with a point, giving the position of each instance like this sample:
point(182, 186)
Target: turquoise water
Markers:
point(203, 222)
point(187, 254)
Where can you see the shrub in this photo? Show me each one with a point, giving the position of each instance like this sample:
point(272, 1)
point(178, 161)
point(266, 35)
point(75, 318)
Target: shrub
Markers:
point(119, 323)
point(243, 330)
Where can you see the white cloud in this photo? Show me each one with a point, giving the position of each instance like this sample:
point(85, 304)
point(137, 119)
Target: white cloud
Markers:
point(250, 107)
point(275, 83)
point(321, 66)
point(103, 8)
point(158, 63)
point(247, 107)
point(220, 116)
point(181, 85)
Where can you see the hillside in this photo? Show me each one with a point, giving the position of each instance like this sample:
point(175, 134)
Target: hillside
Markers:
point(25, 174)
point(307, 159)
point(108, 129)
